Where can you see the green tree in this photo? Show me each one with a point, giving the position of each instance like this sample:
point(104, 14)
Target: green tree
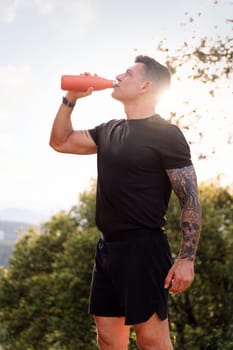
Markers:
point(206, 60)
point(44, 294)
point(201, 318)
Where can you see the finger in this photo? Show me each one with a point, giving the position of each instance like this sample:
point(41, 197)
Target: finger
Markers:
point(179, 287)
point(90, 90)
point(168, 280)
point(176, 286)
point(173, 287)
point(87, 92)
point(185, 286)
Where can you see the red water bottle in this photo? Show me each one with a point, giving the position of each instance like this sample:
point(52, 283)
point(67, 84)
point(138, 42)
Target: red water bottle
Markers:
point(84, 81)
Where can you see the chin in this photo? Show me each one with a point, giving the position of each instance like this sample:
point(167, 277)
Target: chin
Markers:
point(114, 95)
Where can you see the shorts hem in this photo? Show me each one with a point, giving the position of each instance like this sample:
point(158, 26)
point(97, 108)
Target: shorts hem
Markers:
point(129, 321)
point(104, 314)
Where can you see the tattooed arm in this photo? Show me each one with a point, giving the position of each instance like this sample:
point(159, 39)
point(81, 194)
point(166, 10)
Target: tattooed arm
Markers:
point(184, 184)
point(63, 138)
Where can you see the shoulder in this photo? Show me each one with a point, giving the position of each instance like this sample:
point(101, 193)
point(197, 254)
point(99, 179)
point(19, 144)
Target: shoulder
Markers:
point(169, 134)
point(104, 128)
point(174, 149)
point(164, 125)
point(110, 124)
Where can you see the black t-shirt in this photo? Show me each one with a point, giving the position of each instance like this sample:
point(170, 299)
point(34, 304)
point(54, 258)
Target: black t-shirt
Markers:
point(133, 189)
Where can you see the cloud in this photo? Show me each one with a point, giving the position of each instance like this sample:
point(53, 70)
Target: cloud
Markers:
point(9, 13)
point(77, 16)
point(11, 8)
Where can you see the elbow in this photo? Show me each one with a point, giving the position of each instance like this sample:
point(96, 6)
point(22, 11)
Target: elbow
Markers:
point(52, 144)
point(56, 147)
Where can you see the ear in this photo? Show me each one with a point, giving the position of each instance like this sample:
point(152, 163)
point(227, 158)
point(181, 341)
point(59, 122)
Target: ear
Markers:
point(146, 86)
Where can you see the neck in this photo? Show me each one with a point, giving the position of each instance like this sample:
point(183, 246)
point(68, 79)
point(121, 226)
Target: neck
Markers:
point(139, 111)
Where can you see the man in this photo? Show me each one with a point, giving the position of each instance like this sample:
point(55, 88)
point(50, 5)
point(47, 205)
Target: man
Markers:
point(140, 160)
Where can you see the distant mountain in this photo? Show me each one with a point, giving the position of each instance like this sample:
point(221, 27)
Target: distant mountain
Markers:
point(14, 222)
point(21, 215)
point(10, 230)
point(6, 249)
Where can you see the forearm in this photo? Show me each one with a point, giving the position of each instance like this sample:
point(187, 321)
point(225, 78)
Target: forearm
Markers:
point(184, 183)
point(62, 126)
point(191, 229)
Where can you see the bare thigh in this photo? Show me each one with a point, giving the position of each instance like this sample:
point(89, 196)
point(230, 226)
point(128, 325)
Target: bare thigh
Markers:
point(112, 333)
point(153, 334)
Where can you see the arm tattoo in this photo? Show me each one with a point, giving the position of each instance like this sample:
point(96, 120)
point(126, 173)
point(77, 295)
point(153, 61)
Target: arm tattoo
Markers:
point(86, 133)
point(184, 184)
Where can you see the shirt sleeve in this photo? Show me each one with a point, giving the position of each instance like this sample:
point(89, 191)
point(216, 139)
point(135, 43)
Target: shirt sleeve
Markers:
point(175, 152)
point(95, 133)
point(101, 129)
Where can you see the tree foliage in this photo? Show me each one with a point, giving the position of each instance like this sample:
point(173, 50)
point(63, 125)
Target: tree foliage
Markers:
point(44, 293)
point(201, 318)
point(209, 58)
point(202, 64)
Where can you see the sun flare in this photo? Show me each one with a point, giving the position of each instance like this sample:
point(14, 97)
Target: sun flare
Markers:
point(205, 121)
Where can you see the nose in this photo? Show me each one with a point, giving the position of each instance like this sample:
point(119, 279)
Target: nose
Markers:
point(119, 77)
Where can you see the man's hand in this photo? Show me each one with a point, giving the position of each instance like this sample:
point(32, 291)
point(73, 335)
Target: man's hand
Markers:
point(73, 96)
point(180, 276)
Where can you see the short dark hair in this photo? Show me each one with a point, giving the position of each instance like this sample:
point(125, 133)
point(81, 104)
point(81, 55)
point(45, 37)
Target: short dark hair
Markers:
point(155, 71)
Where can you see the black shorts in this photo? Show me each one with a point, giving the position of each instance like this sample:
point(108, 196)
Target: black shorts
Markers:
point(128, 276)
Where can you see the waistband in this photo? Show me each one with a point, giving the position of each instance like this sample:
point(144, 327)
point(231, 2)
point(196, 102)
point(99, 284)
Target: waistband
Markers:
point(132, 234)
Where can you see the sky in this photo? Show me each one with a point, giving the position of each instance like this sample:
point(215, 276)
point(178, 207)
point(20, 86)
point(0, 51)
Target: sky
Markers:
point(41, 40)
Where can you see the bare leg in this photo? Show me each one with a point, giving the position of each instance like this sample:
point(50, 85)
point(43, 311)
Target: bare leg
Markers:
point(153, 334)
point(112, 334)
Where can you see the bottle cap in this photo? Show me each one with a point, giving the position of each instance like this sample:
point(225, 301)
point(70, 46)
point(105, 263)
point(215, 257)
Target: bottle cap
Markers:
point(115, 82)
